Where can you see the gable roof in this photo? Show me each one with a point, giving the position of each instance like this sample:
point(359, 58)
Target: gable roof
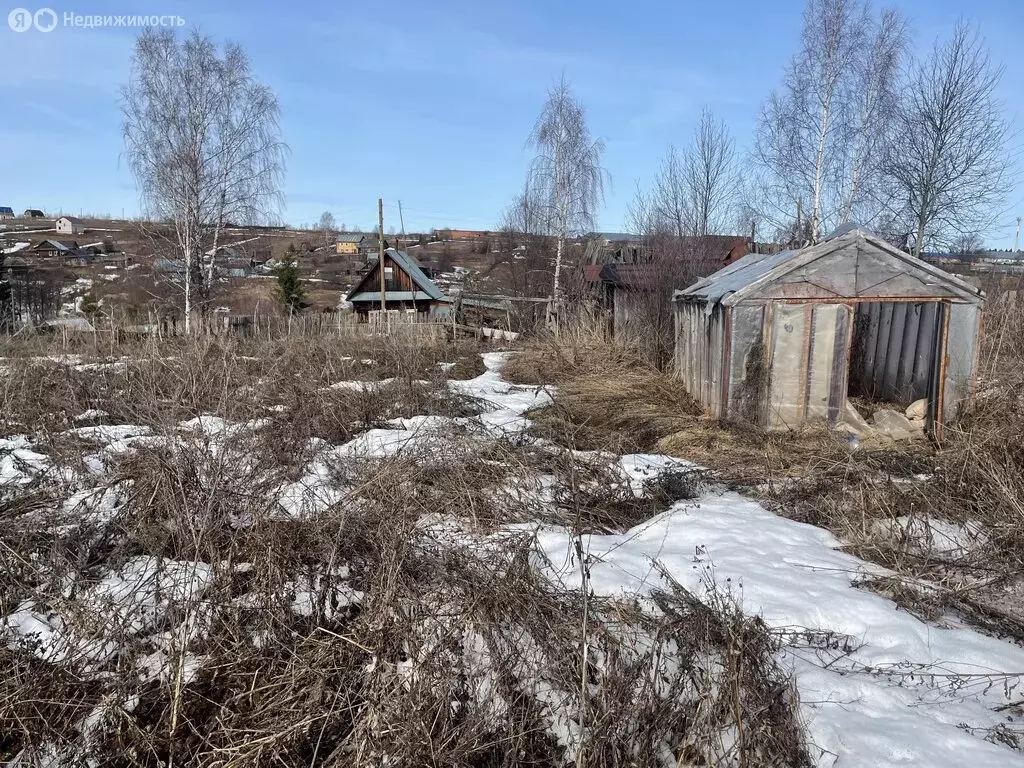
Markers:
point(408, 265)
point(72, 219)
point(753, 272)
point(56, 245)
point(6, 209)
point(350, 237)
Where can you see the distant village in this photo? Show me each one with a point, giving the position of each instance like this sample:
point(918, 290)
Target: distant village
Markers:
point(67, 270)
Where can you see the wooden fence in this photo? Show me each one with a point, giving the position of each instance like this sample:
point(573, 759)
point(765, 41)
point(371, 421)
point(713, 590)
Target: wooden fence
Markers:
point(276, 326)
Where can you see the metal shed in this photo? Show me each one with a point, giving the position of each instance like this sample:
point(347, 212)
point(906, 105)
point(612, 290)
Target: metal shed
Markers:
point(783, 339)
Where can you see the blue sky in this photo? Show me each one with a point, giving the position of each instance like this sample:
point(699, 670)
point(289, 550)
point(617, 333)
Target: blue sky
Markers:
point(431, 103)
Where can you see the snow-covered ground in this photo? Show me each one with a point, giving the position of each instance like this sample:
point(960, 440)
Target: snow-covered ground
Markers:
point(878, 687)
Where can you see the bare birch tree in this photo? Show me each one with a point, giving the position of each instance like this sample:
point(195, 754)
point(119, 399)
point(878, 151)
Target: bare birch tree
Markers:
point(669, 201)
point(524, 247)
point(327, 228)
point(876, 70)
point(203, 142)
point(709, 175)
point(566, 173)
point(668, 262)
point(949, 161)
point(802, 139)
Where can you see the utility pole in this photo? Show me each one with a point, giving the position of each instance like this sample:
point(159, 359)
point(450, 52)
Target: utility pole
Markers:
point(380, 256)
point(1016, 240)
point(401, 218)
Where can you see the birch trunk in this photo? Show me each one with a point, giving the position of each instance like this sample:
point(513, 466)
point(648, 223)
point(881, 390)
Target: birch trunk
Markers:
point(819, 161)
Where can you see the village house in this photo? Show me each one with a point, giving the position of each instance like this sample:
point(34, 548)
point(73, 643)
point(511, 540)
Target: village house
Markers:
point(782, 340)
point(6, 212)
point(348, 243)
point(32, 213)
point(370, 247)
point(406, 289)
point(623, 276)
point(69, 225)
point(53, 248)
point(467, 234)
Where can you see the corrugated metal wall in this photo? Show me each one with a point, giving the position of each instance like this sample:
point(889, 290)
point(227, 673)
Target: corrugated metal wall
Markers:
point(894, 348)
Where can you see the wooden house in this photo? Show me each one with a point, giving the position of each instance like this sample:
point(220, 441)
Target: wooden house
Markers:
point(405, 288)
point(51, 248)
point(784, 339)
point(624, 281)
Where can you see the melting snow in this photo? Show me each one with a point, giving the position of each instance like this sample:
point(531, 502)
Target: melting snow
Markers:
point(91, 414)
point(890, 690)
point(892, 701)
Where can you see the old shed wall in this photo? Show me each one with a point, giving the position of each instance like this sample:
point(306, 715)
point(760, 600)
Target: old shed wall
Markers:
point(700, 340)
point(963, 330)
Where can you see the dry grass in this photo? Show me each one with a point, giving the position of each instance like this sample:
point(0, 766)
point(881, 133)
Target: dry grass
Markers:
point(551, 359)
point(399, 622)
point(608, 398)
point(892, 504)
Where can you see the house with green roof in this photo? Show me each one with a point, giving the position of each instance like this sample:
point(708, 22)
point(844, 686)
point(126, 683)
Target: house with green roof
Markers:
point(405, 287)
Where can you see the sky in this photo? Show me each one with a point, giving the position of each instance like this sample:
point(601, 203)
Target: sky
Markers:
point(431, 103)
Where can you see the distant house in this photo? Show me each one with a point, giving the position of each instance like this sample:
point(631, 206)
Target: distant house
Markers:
point(405, 288)
point(370, 246)
point(32, 213)
point(608, 238)
point(6, 212)
point(80, 257)
point(1004, 258)
point(468, 234)
point(121, 260)
point(168, 266)
point(623, 277)
point(348, 243)
point(56, 248)
point(69, 225)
